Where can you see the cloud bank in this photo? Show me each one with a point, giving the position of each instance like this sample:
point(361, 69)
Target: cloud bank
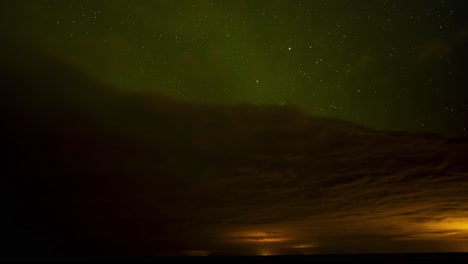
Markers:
point(91, 170)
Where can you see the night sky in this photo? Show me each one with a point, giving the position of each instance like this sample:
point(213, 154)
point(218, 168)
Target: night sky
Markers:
point(233, 127)
point(385, 64)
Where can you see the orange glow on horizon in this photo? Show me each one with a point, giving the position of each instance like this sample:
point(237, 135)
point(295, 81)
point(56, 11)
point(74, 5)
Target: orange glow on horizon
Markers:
point(447, 229)
point(303, 246)
point(258, 237)
point(451, 224)
point(265, 253)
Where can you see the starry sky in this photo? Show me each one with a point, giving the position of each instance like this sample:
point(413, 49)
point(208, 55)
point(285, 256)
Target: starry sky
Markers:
point(393, 65)
point(233, 127)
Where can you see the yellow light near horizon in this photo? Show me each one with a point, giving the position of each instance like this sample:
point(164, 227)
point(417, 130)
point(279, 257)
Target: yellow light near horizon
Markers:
point(452, 225)
point(303, 246)
point(265, 253)
point(257, 237)
point(262, 237)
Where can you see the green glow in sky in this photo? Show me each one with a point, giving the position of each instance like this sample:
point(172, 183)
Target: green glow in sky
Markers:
point(396, 65)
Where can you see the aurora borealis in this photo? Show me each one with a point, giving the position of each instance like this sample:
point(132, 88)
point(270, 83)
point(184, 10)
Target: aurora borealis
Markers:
point(169, 128)
point(387, 65)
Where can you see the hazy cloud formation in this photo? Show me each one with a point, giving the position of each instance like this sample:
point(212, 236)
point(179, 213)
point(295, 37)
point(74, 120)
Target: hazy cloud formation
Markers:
point(94, 170)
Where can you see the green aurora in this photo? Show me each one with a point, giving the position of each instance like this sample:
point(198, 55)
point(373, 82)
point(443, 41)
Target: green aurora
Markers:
point(388, 65)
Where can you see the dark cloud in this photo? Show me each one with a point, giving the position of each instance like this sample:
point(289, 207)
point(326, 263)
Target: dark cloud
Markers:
point(91, 170)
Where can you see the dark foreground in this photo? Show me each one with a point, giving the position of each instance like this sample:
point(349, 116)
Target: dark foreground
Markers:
point(345, 258)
